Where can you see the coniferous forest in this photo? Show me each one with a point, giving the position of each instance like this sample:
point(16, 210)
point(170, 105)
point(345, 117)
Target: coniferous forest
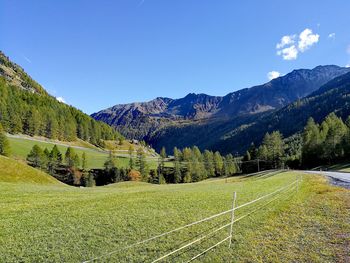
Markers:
point(32, 113)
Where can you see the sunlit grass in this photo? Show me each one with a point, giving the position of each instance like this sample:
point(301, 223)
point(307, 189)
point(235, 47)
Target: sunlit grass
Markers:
point(20, 147)
point(41, 223)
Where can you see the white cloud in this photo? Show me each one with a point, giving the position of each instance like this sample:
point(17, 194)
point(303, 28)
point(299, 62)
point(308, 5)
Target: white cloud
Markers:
point(307, 39)
point(60, 99)
point(289, 49)
point(288, 53)
point(285, 40)
point(331, 35)
point(347, 65)
point(273, 75)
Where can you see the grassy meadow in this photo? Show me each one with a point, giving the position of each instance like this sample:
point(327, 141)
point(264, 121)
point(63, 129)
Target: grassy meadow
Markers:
point(45, 221)
point(20, 147)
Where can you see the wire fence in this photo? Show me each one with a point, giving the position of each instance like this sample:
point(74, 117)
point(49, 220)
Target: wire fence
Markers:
point(211, 231)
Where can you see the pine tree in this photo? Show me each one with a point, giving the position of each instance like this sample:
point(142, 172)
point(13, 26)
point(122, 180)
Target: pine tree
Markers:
point(218, 163)
point(76, 160)
point(110, 163)
point(161, 162)
point(177, 166)
point(333, 149)
point(55, 159)
point(346, 140)
point(131, 160)
point(230, 165)
point(83, 161)
point(69, 157)
point(274, 148)
point(36, 157)
point(142, 164)
point(208, 159)
point(4, 143)
point(311, 143)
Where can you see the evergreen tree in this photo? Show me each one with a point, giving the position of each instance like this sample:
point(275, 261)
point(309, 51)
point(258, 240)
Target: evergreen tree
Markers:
point(346, 140)
point(177, 166)
point(69, 157)
point(76, 160)
point(218, 163)
point(83, 161)
point(198, 172)
point(333, 148)
point(311, 143)
point(4, 143)
point(230, 165)
point(36, 157)
point(187, 159)
point(274, 148)
point(163, 156)
point(55, 159)
point(110, 163)
point(208, 159)
point(142, 164)
point(253, 152)
point(131, 160)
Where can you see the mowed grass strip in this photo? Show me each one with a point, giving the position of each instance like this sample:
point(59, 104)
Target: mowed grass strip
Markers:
point(41, 223)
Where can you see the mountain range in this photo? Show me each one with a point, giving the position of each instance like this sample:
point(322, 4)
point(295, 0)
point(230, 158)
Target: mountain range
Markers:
point(222, 123)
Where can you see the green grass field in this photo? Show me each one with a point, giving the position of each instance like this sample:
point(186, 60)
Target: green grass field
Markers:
point(52, 222)
point(20, 147)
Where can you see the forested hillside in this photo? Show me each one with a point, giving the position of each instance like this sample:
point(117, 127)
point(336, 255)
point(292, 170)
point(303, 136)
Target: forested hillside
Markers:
point(332, 97)
point(25, 107)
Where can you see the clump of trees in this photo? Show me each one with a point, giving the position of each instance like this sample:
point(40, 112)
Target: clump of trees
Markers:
point(67, 169)
point(192, 165)
point(41, 114)
point(270, 154)
point(327, 142)
point(319, 144)
point(4, 143)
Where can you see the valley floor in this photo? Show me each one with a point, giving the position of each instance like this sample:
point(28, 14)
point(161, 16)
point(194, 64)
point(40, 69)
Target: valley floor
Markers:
point(57, 223)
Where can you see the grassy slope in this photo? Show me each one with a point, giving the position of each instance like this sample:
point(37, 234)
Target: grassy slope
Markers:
point(69, 224)
point(12, 171)
point(20, 148)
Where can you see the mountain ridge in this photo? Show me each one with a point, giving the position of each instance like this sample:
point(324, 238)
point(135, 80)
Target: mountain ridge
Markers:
point(147, 120)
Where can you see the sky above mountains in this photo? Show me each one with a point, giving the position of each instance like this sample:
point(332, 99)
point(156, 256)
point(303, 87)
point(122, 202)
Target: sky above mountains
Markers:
point(95, 54)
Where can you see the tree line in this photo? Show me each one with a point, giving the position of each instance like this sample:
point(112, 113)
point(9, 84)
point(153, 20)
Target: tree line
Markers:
point(191, 165)
point(318, 144)
point(32, 113)
point(327, 142)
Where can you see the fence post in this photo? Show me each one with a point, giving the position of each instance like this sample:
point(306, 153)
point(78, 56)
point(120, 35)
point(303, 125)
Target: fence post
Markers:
point(232, 218)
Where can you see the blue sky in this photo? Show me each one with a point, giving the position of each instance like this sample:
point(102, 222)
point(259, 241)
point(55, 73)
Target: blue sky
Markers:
point(96, 54)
